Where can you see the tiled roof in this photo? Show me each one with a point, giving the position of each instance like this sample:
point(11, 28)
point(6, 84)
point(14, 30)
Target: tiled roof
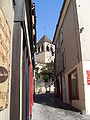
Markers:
point(44, 39)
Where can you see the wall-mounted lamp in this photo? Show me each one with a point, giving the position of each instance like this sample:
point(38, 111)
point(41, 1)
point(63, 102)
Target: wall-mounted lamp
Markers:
point(81, 29)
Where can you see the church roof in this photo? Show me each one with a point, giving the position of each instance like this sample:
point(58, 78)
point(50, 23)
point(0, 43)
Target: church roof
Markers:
point(44, 39)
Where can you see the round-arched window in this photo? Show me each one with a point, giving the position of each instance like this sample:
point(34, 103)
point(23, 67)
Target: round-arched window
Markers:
point(47, 48)
point(39, 49)
point(42, 48)
point(51, 49)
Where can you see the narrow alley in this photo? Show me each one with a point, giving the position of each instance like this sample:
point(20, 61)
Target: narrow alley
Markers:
point(44, 60)
point(48, 107)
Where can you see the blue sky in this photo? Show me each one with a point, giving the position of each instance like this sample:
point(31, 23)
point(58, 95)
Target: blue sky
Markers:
point(47, 12)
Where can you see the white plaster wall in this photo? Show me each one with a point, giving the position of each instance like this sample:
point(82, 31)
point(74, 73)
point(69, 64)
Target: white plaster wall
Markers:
point(83, 11)
point(48, 54)
point(40, 57)
point(45, 56)
point(86, 67)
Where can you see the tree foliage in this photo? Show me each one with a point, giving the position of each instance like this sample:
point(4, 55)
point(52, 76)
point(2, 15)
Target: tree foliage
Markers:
point(47, 72)
point(45, 75)
point(37, 74)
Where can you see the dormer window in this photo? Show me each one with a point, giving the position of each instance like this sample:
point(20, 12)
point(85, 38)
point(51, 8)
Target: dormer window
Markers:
point(47, 48)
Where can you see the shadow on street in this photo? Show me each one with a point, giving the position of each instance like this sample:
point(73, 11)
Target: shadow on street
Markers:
point(50, 99)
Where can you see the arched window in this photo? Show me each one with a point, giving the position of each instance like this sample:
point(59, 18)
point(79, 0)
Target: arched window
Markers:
point(51, 49)
point(38, 49)
point(42, 48)
point(47, 48)
point(52, 53)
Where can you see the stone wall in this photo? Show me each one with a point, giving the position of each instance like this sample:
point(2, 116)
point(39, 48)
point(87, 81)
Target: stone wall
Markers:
point(6, 32)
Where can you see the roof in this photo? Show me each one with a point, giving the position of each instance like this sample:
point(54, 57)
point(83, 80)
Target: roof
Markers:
point(61, 12)
point(44, 39)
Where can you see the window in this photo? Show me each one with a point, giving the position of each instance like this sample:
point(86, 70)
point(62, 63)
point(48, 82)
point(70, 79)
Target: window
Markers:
point(47, 48)
point(73, 86)
point(52, 53)
point(61, 36)
point(42, 48)
point(38, 49)
point(63, 59)
point(57, 45)
point(33, 19)
point(51, 49)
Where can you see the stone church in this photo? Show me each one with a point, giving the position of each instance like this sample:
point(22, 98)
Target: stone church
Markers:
point(45, 50)
point(45, 53)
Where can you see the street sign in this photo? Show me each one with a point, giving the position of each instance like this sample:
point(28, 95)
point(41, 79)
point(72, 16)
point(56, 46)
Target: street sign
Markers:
point(88, 77)
point(3, 74)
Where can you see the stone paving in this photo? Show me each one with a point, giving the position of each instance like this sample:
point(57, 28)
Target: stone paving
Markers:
point(48, 107)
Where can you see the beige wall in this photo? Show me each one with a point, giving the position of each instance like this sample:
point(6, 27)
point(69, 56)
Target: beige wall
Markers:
point(75, 42)
point(71, 42)
point(58, 62)
point(75, 25)
point(70, 38)
point(80, 104)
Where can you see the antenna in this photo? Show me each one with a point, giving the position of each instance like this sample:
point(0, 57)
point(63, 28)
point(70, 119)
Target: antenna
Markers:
point(44, 28)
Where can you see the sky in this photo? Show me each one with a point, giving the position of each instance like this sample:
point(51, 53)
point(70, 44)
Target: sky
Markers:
point(47, 15)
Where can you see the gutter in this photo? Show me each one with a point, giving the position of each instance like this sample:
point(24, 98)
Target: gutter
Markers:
point(62, 15)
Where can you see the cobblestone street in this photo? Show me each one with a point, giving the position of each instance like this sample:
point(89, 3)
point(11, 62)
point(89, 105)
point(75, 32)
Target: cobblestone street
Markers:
point(48, 107)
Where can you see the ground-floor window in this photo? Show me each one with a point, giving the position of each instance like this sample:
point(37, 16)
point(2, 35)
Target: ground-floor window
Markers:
point(73, 85)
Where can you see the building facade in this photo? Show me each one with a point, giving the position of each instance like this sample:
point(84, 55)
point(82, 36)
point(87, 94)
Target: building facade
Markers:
point(45, 53)
point(72, 58)
point(16, 53)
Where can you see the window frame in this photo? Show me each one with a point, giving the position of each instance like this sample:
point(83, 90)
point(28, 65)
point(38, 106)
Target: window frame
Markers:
point(71, 97)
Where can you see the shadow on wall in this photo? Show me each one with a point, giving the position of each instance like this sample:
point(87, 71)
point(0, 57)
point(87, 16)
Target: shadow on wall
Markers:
point(50, 99)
